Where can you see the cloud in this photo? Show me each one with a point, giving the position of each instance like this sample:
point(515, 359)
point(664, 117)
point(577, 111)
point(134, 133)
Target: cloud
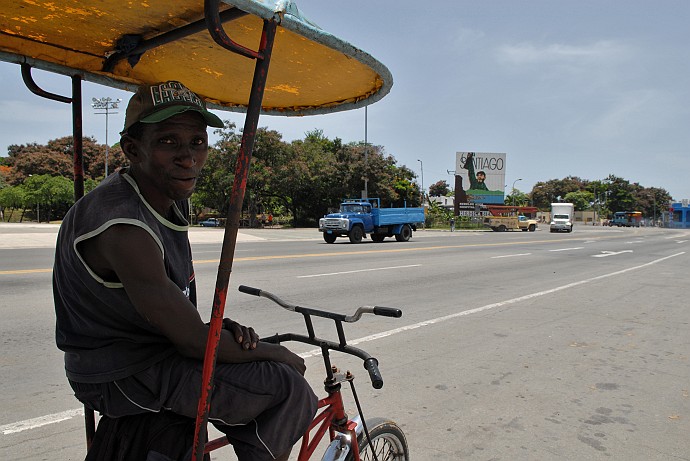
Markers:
point(604, 51)
point(464, 37)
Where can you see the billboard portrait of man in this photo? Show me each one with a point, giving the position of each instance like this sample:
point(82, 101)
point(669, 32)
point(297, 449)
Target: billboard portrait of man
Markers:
point(482, 176)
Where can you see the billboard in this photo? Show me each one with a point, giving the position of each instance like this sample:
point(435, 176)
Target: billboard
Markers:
point(480, 177)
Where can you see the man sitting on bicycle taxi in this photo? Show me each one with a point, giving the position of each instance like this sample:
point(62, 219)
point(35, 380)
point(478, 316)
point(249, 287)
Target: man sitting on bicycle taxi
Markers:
point(125, 294)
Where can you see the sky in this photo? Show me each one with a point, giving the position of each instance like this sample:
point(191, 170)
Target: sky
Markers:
point(583, 88)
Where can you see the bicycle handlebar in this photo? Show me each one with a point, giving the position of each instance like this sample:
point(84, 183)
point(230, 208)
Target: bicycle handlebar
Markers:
point(370, 363)
point(372, 366)
point(376, 310)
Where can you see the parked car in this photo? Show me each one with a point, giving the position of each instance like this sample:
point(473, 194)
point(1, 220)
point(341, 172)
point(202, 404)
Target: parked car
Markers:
point(211, 222)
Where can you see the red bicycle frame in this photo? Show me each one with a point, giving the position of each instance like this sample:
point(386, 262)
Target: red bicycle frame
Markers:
point(329, 419)
point(332, 419)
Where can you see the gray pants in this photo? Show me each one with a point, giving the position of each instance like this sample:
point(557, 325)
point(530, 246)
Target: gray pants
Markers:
point(262, 407)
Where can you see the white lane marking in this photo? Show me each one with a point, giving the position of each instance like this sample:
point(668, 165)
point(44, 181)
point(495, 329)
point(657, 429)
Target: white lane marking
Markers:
point(605, 253)
point(383, 334)
point(568, 249)
point(57, 417)
point(681, 241)
point(40, 421)
point(510, 256)
point(358, 270)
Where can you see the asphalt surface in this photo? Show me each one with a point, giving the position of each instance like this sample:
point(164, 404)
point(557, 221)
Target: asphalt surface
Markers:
point(512, 346)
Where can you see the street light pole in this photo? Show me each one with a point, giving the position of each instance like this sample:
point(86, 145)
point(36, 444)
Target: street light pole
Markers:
point(422, 167)
point(366, 156)
point(512, 191)
point(106, 104)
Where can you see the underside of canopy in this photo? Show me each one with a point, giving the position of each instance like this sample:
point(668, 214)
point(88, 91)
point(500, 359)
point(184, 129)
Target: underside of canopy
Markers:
point(312, 72)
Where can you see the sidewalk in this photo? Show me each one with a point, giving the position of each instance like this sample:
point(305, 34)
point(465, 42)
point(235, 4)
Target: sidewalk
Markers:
point(44, 235)
point(34, 235)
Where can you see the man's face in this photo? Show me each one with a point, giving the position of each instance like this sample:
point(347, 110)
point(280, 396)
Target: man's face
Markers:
point(168, 158)
point(481, 177)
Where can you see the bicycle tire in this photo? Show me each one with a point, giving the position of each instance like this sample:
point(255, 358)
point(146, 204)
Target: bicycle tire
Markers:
point(388, 440)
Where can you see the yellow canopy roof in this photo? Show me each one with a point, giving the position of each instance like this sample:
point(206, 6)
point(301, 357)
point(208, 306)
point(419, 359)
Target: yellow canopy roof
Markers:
point(310, 72)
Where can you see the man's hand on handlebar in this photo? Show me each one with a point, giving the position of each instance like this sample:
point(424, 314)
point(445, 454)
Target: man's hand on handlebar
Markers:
point(248, 339)
point(246, 336)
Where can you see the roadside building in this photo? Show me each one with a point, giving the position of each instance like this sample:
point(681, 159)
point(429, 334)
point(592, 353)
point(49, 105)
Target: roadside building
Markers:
point(680, 214)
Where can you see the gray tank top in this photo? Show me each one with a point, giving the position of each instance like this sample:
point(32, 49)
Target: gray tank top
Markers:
point(103, 336)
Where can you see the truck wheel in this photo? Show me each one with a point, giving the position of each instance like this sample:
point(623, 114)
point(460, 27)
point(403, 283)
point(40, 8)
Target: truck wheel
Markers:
point(502, 228)
point(524, 229)
point(405, 234)
point(329, 238)
point(532, 227)
point(356, 234)
point(377, 237)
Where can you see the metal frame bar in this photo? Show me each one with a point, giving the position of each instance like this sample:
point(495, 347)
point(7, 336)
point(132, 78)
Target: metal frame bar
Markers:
point(168, 37)
point(77, 122)
point(233, 220)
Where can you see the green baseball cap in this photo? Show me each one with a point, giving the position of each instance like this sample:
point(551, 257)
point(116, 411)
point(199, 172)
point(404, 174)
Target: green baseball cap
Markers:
point(160, 101)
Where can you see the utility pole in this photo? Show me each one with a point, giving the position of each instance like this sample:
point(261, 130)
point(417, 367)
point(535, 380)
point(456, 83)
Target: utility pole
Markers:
point(423, 193)
point(422, 167)
point(512, 192)
point(107, 105)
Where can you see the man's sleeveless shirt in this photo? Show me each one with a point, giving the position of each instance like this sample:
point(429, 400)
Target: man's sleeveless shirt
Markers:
point(103, 336)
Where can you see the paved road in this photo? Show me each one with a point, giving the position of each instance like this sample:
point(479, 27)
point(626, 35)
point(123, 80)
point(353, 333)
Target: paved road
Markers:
point(513, 346)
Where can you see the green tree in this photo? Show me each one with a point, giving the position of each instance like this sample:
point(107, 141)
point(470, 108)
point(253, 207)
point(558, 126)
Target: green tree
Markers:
point(11, 198)
point(47, 194)
point(56, 159)
point(517, 198)
point(553, 190)
point(651, 201)
point(215, 181)
point(619, 194)
point(439, 189)
point(438, 215)
point(582, 199)
point(309, 183)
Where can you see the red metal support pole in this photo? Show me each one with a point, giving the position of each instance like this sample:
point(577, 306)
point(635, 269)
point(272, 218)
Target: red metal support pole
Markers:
point(230, 237)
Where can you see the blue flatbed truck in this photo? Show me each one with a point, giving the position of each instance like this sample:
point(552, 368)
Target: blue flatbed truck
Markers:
point(359, 217)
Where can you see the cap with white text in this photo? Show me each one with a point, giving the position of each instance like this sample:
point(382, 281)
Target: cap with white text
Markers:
point(160, 101)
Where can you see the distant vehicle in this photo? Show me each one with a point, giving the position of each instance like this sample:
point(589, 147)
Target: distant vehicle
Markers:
point(626, 219)
point(511, 222)
point(503, 218)
point(358, 217)
point(211, 222)
point(562, 217)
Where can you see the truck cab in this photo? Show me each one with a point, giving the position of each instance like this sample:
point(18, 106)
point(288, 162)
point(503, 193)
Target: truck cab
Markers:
point(353, 213)
point(562, 217)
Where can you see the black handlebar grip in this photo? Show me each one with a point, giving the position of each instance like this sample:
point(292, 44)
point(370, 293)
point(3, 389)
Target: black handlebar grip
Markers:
point(249, 290)
point(372, 366)
point(387, 311)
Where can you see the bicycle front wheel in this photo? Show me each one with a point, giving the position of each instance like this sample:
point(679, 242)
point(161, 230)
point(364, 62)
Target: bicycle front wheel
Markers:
point(387, 440)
